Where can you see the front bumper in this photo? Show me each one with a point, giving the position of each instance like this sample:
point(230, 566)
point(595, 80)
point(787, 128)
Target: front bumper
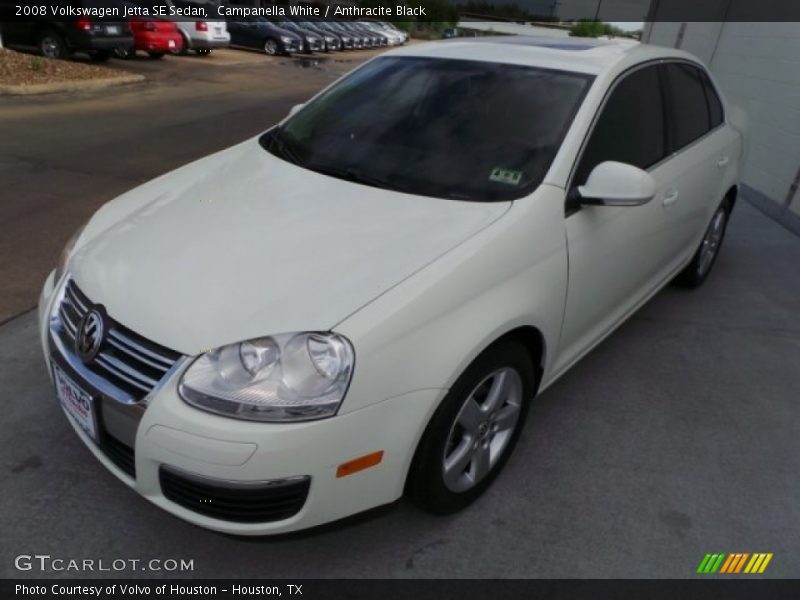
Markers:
point(168, 434)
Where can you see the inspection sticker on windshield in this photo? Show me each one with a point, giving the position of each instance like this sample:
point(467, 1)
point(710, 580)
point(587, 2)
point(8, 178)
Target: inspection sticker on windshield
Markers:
point(505, 176)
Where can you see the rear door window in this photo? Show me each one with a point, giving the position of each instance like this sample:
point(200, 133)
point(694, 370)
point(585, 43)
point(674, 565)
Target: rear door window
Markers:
point(690, 112)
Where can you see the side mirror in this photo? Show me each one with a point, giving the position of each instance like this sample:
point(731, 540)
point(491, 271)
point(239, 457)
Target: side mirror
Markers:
point(617, 184)
point(295, 108)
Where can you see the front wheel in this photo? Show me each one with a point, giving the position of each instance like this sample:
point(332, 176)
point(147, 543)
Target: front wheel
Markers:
point(696, 272)
point(474, 430)
point(52, 45)
point(270, 47)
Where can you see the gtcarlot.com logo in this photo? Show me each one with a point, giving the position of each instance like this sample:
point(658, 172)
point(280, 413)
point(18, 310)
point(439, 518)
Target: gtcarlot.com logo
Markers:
point(734, 563)
point(46, 562)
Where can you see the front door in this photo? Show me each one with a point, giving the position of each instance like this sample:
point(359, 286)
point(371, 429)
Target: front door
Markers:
point(617, 255)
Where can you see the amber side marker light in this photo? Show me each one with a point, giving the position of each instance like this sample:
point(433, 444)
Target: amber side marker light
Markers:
point(359, 464)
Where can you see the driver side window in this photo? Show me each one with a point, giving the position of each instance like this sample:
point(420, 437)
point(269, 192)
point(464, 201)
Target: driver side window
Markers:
point(631, 126)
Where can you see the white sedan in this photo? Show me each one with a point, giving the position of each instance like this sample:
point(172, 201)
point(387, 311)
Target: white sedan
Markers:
point(362, 302)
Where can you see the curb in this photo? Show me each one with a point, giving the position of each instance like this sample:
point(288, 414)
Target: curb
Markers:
point(33, 89)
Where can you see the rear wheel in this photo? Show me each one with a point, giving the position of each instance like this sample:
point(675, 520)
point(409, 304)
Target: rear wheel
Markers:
point(474, 430)
point(124, 53)
point(270, 47)
point(52, 45)
point(697, 271)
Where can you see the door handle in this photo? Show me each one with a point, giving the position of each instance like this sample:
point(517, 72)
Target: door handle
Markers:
point(723, 161)
point(670, 198)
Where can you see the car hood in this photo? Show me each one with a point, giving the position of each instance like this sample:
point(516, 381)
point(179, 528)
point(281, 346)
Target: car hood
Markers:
point(242, 244)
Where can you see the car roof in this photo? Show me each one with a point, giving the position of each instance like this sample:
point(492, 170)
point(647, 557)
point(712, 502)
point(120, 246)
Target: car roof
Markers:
point(582, 55)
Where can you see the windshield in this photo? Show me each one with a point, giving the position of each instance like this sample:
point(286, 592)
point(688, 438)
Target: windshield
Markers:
point(435, 127)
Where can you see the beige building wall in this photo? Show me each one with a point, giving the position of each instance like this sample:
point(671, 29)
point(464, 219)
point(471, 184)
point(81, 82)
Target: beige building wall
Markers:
point(758, 67)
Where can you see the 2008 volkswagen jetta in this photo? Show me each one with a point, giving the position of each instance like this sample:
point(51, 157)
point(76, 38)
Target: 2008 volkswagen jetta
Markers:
point(364, 300)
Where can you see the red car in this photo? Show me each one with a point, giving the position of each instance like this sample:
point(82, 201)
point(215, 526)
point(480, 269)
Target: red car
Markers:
point(154, 37)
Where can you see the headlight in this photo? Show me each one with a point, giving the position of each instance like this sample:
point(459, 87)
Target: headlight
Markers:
point(329, 39)
point(309, 39)
point(286, 39)
point(66, 252)
point(289, 377)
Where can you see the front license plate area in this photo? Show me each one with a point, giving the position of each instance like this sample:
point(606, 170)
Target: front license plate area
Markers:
point(76, 402)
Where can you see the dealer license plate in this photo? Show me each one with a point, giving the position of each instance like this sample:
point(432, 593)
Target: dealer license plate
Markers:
point(77, 403)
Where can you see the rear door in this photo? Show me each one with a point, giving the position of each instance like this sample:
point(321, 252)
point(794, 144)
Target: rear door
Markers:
point(700, 155)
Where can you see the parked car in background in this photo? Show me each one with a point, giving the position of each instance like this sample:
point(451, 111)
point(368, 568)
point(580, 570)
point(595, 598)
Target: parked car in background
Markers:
point(260, 33)
point(367, 39)
point(395, 37)
point(357, 40)
point(155, 37)
point(391, 28)
point(199, 35)
point(457, 225)
point(332, 41)
point(312, 41)
point(60, 39)
point(383, 37)
point(346, 39)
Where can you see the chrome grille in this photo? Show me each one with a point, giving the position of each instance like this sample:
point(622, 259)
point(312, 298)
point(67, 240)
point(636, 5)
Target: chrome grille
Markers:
point(127, 360)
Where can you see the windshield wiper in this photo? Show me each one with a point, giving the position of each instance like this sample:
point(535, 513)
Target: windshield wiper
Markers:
point(284, 150)
point(356, 176)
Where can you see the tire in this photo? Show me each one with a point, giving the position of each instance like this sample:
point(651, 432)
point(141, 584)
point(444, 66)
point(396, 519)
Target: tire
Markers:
point(156, 55)
point(184, 49)
point(271, 47)
point(124, 53)
point(52, 45)
point(698, 269)
point(473, 431)
point(99, 55)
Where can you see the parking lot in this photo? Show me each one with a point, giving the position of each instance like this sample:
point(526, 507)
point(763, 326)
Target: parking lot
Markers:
point(674, 438)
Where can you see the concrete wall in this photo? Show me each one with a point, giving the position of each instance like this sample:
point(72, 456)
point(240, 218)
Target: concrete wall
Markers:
point(758, 67)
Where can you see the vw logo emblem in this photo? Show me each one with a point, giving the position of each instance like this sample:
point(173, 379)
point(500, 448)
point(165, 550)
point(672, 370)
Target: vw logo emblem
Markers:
point(90, 335)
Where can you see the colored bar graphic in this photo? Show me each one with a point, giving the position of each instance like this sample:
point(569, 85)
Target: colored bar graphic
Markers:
point(703, 563)
point(734, 563)
point(717, 563)
point(765, 563)
point(727, 564)
point(739, 566)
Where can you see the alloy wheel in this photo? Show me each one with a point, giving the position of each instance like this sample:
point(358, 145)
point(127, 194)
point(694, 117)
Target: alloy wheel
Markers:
point(482, 430)
point(270, 48)
point(712, 241)
point(50, 47)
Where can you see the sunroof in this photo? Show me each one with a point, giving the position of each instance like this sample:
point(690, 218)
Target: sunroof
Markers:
point(567, 46)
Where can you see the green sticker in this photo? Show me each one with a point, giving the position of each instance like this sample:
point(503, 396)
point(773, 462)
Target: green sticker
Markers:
point(506, 176)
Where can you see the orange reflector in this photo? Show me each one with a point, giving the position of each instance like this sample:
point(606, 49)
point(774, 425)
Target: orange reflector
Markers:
point(359, 464)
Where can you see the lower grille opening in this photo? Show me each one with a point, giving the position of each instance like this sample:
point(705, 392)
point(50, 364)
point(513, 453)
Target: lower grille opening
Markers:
point(119, 453)
point(261, 502)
